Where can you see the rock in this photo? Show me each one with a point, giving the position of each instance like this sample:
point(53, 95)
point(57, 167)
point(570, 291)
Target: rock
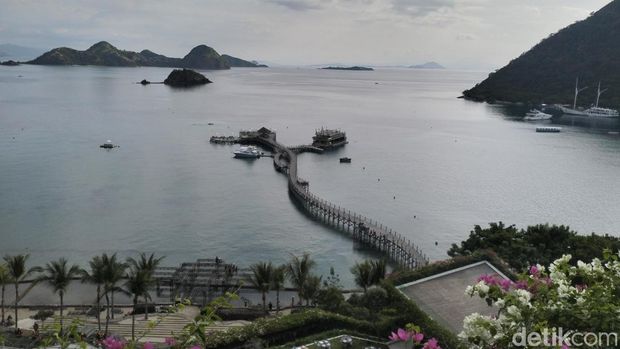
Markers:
point(185, 78)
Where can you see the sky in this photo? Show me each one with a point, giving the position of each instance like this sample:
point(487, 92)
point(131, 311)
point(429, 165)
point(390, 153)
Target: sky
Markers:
point(459, 34)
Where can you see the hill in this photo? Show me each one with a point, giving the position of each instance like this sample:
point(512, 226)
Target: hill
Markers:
point(587, 49)
point(241, 63)
point(103, 53)
point(428, 65)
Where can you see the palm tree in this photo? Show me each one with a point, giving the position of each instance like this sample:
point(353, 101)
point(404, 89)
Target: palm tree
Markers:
point(113, 272)
point(379, 269)
point(137, 286)
point(147, 265)
point(5, 278)
point(298, 270)
point(16, 266)
point(278, 277)
point(58, 275)
point(261, 278)
point(96, 276)
point(311, 288)
point(363, 274)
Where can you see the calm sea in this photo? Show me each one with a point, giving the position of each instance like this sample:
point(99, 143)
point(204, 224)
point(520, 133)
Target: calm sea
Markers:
point(425, 163)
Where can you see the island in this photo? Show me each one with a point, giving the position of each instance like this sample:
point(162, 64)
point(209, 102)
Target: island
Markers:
point(105, 54)
point(9, 63)
point(428, 65)
point(587, 50)
point(185, 78)
point(349, 68)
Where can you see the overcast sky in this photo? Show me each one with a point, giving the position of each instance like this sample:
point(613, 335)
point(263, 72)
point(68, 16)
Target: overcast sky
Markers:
point(469, 34)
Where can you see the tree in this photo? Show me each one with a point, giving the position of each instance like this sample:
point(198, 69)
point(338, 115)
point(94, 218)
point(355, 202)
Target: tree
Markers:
point(113, 272)
point(378, 271)
point(147, 265)
point(298, 270)
point(311, 288)
point(261, 278)
point(278, 277)
point(58, 274)
point(136, 286)
point(16, 266)
point(363, 273)
point(96, 276)
point(5, 278)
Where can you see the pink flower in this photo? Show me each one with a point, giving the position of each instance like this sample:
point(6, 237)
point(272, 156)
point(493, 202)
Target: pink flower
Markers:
point(401, 335)
point(170, 341)
point(418, 337)
point(113, 343)
point(431, 344)
point(196, 347)
point(505, 284)
point(534, 270)
point(565, 346)
point(148, 345)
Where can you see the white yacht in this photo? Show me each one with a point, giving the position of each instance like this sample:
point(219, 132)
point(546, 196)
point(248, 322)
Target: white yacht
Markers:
point(247, 152)
point(601, 112)
point(535, 114)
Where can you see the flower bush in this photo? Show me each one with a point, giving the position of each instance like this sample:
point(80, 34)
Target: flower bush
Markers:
point(413, 338)
point(584, 298)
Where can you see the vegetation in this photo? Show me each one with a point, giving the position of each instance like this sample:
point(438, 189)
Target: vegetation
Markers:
point(541, 244)
point(113, 272)
point(58, 274)
point(4, 280)
point(298, 270)
point(369, 273)
point(185, 78)
point(261, 279)
point(96, 276)
point(18, 272)
point(577, 297)
point(146, 266)
point(278, 277)
point(586, 49)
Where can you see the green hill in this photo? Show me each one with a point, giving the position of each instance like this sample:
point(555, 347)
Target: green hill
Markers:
point(241, 63)
point(103, 53)
point(587, 49)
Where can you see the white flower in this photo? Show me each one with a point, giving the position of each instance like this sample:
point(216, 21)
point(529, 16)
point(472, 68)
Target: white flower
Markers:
point(513, 311)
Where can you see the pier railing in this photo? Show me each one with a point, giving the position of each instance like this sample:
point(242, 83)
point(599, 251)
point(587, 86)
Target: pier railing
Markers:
point(369, 232)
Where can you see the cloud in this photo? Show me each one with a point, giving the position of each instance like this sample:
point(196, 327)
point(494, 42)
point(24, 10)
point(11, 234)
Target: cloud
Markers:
point(298, 5)
point(420, 8)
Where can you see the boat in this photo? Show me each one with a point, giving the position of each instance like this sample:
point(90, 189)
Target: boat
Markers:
point(548, 129)
point(108, 145)
point(329, 139)
point(535, 115)
point(594, 111)
point(247, 152)
point(345, 160)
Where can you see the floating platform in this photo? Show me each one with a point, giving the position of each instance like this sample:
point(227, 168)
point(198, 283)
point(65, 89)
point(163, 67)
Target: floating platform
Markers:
point(548, 129)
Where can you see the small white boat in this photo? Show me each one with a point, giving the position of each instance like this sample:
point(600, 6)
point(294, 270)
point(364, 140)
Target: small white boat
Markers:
point(535, 115)
point(249, 152)
point(548, 129)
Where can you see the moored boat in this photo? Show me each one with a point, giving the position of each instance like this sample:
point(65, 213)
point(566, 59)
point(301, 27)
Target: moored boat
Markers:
point(548, 129)
point(247, 152)
point(535, 115)
point(345, 160)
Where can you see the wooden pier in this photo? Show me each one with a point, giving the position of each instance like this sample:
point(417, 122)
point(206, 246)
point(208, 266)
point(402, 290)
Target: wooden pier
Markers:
point(362, 229)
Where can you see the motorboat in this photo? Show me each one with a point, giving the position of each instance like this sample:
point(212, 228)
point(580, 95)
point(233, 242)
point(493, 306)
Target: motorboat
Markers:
point(535, 115)
point(247, 152)
point(345, 160)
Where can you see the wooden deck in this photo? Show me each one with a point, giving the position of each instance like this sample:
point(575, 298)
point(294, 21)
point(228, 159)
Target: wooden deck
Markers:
point(362, 229)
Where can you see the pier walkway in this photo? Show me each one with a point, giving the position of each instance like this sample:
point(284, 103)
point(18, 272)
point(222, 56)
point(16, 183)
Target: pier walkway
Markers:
point(362, 229)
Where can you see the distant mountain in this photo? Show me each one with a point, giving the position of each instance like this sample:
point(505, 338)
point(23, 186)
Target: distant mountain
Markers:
point(16, 52)
point(240, 63)
point(587, 49)
point(349, 68)
point(428, 65)
point(103, 53)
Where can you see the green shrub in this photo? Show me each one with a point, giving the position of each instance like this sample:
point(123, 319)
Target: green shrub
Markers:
point(43, 314)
